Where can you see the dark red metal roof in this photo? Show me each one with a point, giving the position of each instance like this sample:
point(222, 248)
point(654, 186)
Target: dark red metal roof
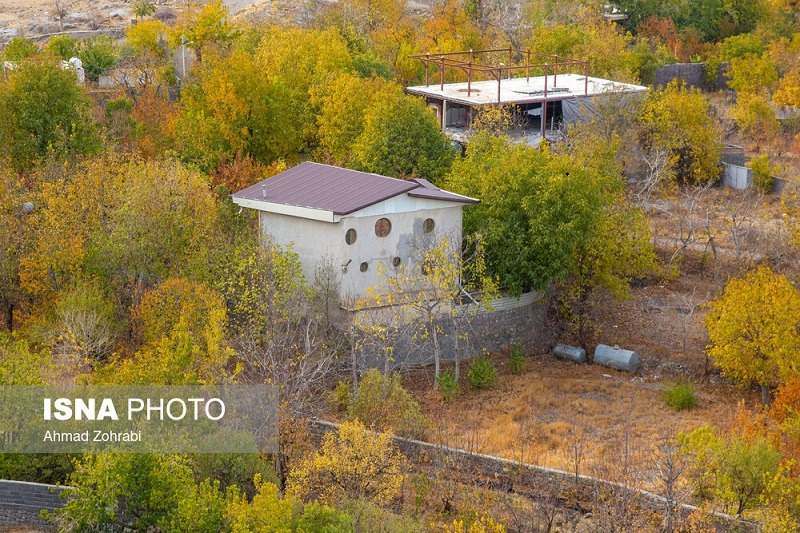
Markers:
point(431, 191)
point(339, 190)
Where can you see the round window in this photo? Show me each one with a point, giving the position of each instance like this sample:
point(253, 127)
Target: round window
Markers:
point(350, 236)
point(396, 261)
point(383, 227)
point(428, 225)
point(364, 266)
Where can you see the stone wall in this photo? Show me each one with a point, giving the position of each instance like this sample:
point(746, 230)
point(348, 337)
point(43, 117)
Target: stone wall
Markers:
point(694, 75)
point(468, 333)
point(21, 502)
point(498, 473)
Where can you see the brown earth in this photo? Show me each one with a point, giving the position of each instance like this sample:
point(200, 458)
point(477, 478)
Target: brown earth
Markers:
point(556, 408)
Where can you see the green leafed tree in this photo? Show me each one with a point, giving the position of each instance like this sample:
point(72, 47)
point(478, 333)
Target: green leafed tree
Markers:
point(44, 111)
point(99, 55)
point(401, 138)
point(753, 328)
point(619, 250)
point(18, 49)
point(62, 46)
point(536, 209)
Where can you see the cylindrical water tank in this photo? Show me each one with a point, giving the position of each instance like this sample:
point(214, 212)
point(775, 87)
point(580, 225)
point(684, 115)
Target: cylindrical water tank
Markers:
point(617, 358)
point(571, 353)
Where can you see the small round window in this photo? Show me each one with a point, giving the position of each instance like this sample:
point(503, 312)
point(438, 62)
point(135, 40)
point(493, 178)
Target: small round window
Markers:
point(396, 261)
point(383, 227)
point(364, 266)
point(350, 236)
point(428, 225)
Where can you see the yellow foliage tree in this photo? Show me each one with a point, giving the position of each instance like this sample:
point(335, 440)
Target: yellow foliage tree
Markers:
point(678, 119)
point(267, 512)
point(756, 118)
point(203, 27)
point(754, 332)
point(175, 299)
point(352, 462)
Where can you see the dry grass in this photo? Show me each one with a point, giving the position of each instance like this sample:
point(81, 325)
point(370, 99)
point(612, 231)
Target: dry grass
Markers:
point(555, 408)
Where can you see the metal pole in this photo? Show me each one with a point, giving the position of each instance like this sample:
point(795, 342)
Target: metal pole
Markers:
point(586, 82)
point(555, 73)
point(544, 105)
point(528, 68)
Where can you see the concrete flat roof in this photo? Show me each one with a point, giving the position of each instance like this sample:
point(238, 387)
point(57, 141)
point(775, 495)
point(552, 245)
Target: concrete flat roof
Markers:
point(523, 90)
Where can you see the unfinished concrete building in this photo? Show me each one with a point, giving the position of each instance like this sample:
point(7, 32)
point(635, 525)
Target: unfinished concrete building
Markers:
point(544, 92)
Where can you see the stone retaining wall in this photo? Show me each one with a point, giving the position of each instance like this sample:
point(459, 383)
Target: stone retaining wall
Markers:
point(472, 331)
point(504, 474)
point(21, 502)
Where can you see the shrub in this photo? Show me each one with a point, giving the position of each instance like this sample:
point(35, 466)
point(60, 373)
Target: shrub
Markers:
point(516, 358)
point(762, 173)
point(448, 386)
point(380, 402)
point(340, 396)
point(351, 462)
point(482, 373)
point(679, 396)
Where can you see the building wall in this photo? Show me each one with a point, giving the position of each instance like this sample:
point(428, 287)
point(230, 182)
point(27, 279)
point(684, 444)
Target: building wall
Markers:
point(315, 241)
point(406, 235)
point(312, 240)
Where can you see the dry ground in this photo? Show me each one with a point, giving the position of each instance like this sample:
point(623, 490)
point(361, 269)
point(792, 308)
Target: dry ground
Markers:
point(556, 408)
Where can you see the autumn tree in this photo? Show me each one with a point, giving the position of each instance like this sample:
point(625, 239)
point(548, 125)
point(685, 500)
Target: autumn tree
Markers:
point(352, 461)
point(753, 74)
point(598, 41)
point(753, 330)
point(84, 325)
point(303, 60)
point(44, 111)
point(450, 28)
point(342, 104)
point(756, 118)
point(175, 299)
point(381, 403)
point(20, 364)
point(204, 27)
point(12, 241)
point(678, 120)
point(129, 223)
point(233, 106)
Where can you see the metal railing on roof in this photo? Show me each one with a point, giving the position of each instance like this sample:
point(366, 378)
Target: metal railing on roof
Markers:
point(465, 61)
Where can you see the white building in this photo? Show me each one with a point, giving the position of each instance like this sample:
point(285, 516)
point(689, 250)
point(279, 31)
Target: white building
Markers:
point(352, 220)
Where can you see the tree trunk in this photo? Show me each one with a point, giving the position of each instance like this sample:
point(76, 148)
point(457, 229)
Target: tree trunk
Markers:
point(435, 350)
point(10, 318)
point(766, 395)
